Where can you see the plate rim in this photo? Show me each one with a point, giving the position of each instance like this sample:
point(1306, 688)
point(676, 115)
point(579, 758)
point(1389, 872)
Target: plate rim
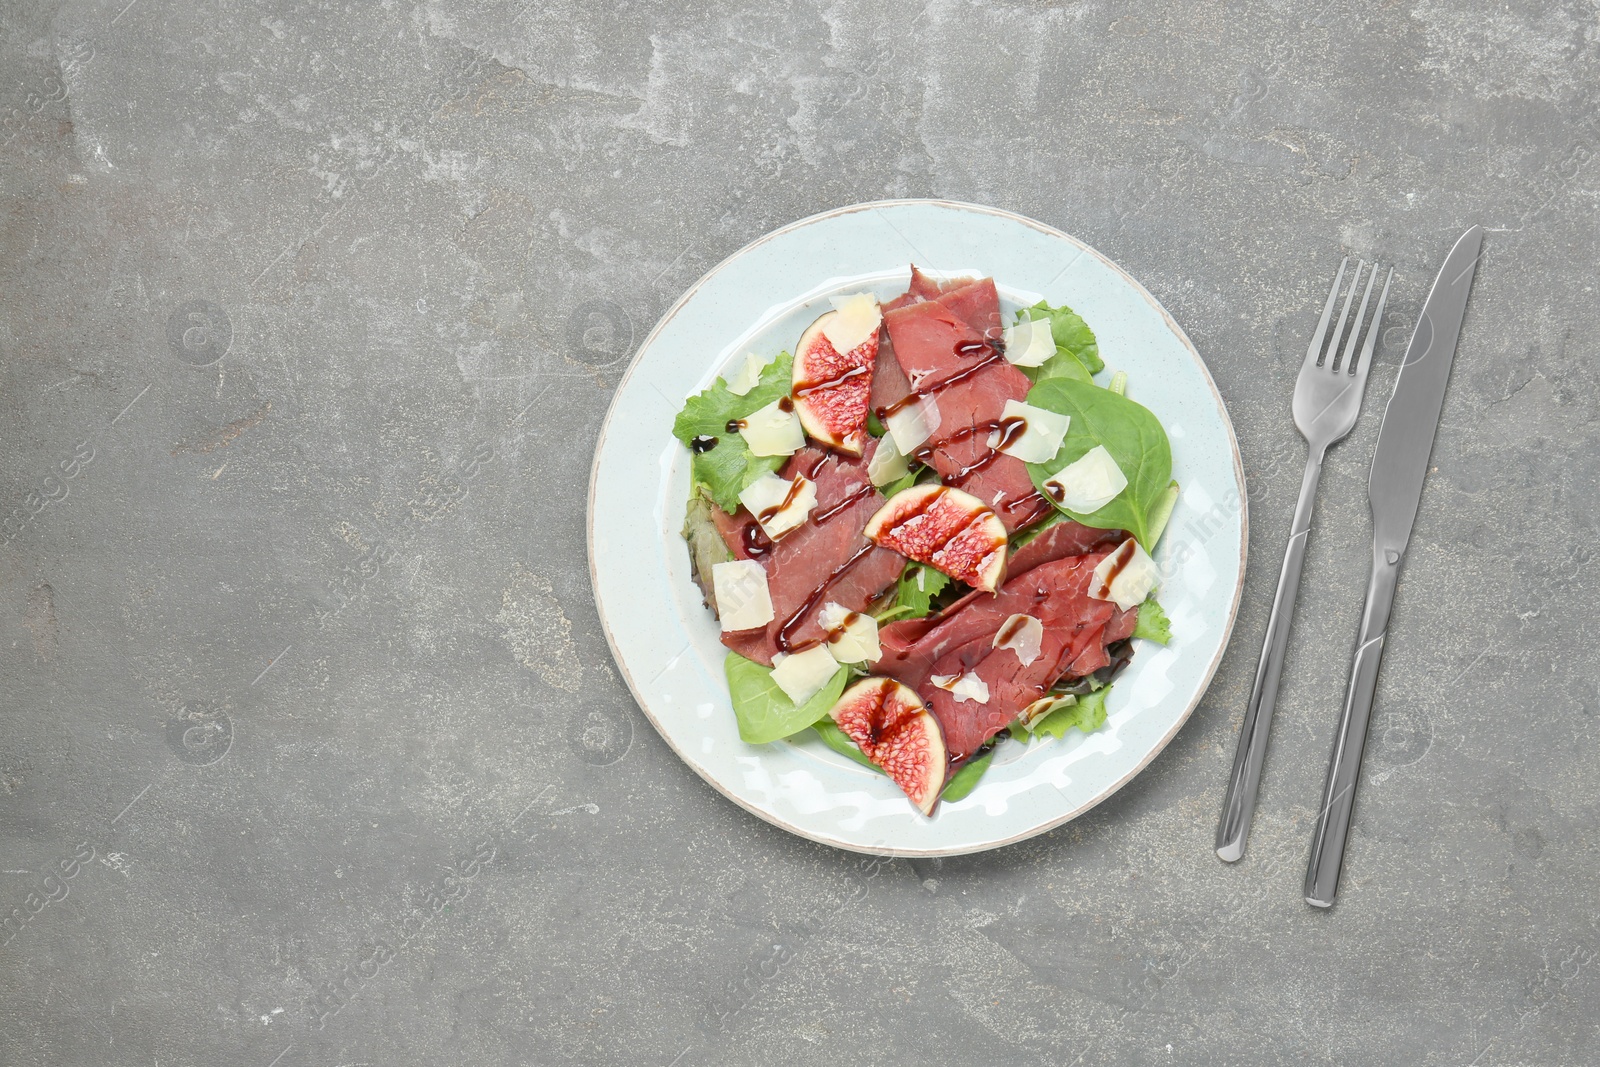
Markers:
point(1233, 607)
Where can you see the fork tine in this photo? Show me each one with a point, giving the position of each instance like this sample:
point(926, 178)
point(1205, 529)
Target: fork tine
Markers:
point(1372, 330)
point(1314, 353)
point(1344, 316)
point(1347, 360)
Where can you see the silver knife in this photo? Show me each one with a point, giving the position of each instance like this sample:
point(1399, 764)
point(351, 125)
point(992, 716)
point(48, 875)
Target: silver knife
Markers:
point(1399, 464)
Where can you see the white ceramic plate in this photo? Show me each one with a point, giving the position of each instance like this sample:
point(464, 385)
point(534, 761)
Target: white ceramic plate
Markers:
point(666, 642)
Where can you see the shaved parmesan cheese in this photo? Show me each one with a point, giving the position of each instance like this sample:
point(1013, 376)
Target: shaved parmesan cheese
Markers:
point(913, 424)
point(802, 675)
point(1126, 576)
point(779, 505)
point(852, 635)
point(856, 317)
point(887, 463)
point(964, 687)
point(1029, 343)
point(774, 430)
point(743, 601)
point(1088, 484)
point(1039, 437)
point(749, 375)
point(1022, 634)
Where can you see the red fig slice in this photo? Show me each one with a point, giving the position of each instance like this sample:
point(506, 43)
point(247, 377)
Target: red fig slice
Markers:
point(947, 529)
point(831, 388)
point(892, 726)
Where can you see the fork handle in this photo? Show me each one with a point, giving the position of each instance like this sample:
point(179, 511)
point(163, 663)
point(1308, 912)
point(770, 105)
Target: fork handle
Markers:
point(1239, 805)
point(1344, 766)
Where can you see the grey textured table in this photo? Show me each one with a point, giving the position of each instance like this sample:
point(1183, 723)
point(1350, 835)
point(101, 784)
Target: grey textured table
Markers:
point(312, 750)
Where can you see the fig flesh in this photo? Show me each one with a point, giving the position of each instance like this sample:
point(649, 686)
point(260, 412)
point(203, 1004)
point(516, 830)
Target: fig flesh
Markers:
point(831, 388)
point(893, 728)
point(947, 529)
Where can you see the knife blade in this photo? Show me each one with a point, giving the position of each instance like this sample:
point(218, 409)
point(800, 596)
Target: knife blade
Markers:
point(1405, 439)
point(1394, 490)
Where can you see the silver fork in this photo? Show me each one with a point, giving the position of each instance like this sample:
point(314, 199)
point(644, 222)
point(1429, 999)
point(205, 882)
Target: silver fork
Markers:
point(1327, 402)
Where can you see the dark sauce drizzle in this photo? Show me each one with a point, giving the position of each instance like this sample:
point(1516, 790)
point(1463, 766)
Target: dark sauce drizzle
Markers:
point(703, 443)
point(756, 541)
point(805, 389)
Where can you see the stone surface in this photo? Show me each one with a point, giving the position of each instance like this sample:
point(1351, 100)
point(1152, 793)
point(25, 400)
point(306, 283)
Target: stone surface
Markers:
point(310, 314)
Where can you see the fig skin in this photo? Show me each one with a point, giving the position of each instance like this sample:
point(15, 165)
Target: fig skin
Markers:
point(835, 415)
point(890, 724)
point(959, 534)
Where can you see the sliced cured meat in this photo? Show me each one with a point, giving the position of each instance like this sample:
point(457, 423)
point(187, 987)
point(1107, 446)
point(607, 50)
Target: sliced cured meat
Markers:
point(948, 349)
point(1076, 630)
point(923, 288)
point(909, 651)
point(826, 559)
point(914, 650)
point(1065, 538)
point(889, 385)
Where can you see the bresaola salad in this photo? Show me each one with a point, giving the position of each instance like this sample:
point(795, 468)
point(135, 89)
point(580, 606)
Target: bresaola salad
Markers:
point(927, 531)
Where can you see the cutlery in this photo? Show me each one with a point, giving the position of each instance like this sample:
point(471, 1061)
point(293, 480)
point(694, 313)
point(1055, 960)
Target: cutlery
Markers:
point(1399, 464)
point(1327, 402)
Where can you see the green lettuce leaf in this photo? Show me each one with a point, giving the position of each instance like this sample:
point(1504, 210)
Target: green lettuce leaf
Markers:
point(1087, 713)
point(724, 470)
point(1153, 624)
point(1133, 436)
point(1077, 352)
point(765, 712)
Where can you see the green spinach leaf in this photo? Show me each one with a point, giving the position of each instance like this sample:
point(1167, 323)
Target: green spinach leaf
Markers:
point(1132, 435)
point(1077, 352)
point(840, 742)
point(765, 712)
point(966, 779)
point(725, 469)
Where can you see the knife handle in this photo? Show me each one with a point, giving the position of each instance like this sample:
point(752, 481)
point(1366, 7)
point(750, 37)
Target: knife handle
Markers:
point(1239, 804)
point(1344, 766)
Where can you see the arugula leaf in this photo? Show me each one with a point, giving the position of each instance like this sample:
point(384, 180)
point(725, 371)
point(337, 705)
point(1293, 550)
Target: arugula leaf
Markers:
point(1087, 713)
point(966, 779)
point(1077, 352)
point(1153, 624)
point(840, 742)
point(725, 469)
point(1132, 435)
point(905, 481)
point(913, 596)
point(765, 712)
